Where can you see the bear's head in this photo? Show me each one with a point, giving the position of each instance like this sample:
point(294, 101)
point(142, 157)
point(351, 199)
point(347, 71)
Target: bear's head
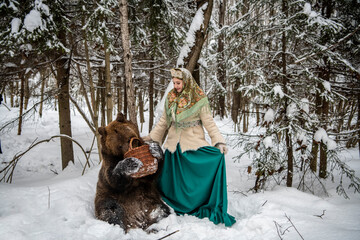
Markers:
point(115, 137)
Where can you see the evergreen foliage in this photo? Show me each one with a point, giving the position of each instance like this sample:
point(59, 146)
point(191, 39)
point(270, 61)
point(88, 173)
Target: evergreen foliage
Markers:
point(293, 66)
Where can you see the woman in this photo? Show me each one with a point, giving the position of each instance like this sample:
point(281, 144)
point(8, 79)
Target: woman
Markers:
point(193, 179)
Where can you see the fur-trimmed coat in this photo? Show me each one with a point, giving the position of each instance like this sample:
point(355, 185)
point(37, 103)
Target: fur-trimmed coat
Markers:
point(190, 138)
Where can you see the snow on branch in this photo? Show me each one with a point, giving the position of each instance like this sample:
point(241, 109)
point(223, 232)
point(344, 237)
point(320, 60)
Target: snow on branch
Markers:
point(322, 136)
point(190, 36)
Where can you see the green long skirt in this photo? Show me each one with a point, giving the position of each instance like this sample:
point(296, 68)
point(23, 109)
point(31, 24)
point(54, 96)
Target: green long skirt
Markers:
point(194, 183)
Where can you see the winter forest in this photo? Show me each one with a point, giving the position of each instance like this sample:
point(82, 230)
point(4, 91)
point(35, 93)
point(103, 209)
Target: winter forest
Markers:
point(283, 81)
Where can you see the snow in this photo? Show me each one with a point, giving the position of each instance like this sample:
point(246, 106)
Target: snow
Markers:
point(269, 116)
point(10, 65)
point(307, 8)
point(304, 105)
point(268, 142)
point(13, 7)
point(308, 11)
point(32, 20)
point(291, 110)
point(278, 91)
point(42, 7)
point(316, 18)
point(301, 137)
point(322, 136)
point(327, 86)
point(190, 36)
point(41, 205)
point(160, 107)
point(15, 25)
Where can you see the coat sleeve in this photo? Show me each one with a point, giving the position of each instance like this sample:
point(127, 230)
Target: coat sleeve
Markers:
point(210, 126)
point(157, 133)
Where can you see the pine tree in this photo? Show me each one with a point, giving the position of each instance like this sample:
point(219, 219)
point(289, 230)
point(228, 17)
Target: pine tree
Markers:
point(287, 63)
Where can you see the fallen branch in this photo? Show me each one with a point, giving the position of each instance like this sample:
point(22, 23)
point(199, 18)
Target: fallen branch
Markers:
point(12, 164)
point(88, 157)
point(235, 191)
point(320, 216)
point(168, 235)
point(278, 230)
point(6, 106)
point(294, 226)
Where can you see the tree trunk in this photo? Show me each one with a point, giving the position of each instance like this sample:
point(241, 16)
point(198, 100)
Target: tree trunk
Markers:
point(151, 98)
point(102, 96)
point(125, 37)
point(12, 94)
point(193, 57)
point(94, 109)
point(141, 109)
point(315, 145)
point(21, 106)
point(257, 115)
point(43, 79)
point(327, 10)
point(235, 108)
point(221, 59)
point(62, 75)
point(323, 147)
point(351, 111)
point(313, 156)
point(125, 101)
point(324, 118)
point(245, 114)
point(26, 91)
point(119, 95)
point(108, 91)
point(17, 94)
point(290, 158)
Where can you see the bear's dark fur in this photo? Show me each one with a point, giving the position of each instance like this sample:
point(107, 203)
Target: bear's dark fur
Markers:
point(121, 199)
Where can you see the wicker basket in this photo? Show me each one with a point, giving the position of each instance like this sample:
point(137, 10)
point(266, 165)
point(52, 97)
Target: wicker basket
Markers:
point(143, 154)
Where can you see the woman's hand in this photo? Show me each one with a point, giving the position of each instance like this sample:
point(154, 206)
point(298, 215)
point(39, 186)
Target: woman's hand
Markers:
point(222, 147)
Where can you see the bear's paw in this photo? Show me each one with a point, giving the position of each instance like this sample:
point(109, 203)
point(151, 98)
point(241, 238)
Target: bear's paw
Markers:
point(128, 166)
point(155, 150)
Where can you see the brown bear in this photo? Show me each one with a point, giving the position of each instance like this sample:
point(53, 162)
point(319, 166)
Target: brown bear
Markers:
point(120, 198)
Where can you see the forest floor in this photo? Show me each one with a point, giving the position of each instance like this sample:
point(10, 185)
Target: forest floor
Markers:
point(44, 203)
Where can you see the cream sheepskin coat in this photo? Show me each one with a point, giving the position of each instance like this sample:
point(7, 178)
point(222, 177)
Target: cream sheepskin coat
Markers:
point(190, 138)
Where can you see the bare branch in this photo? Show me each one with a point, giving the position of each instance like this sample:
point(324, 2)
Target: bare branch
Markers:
point(320, 216)
point(12, 164)
point(294, 226)
point(168, 235)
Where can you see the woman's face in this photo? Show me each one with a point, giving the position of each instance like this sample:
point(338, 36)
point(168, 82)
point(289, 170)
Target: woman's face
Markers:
point(178, 84)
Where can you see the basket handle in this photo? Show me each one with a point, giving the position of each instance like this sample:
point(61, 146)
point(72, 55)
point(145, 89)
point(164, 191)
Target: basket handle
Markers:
point(131, 141)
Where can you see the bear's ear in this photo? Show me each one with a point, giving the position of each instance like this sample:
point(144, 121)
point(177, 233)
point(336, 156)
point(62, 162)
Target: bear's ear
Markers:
point(102, 131)
point(120, 117)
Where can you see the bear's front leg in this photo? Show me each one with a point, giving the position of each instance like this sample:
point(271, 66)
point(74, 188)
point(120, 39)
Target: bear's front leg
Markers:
point(155, 150)
point(119, 177)
point(110, 211)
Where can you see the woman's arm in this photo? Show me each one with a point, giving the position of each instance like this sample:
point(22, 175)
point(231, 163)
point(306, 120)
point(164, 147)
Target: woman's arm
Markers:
point(210, 126)
point(157, 133)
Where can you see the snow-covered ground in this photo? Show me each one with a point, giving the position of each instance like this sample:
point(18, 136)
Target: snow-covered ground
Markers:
point(45, 203)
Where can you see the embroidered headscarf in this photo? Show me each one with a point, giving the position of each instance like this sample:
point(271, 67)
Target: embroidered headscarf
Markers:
point(180, 106)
